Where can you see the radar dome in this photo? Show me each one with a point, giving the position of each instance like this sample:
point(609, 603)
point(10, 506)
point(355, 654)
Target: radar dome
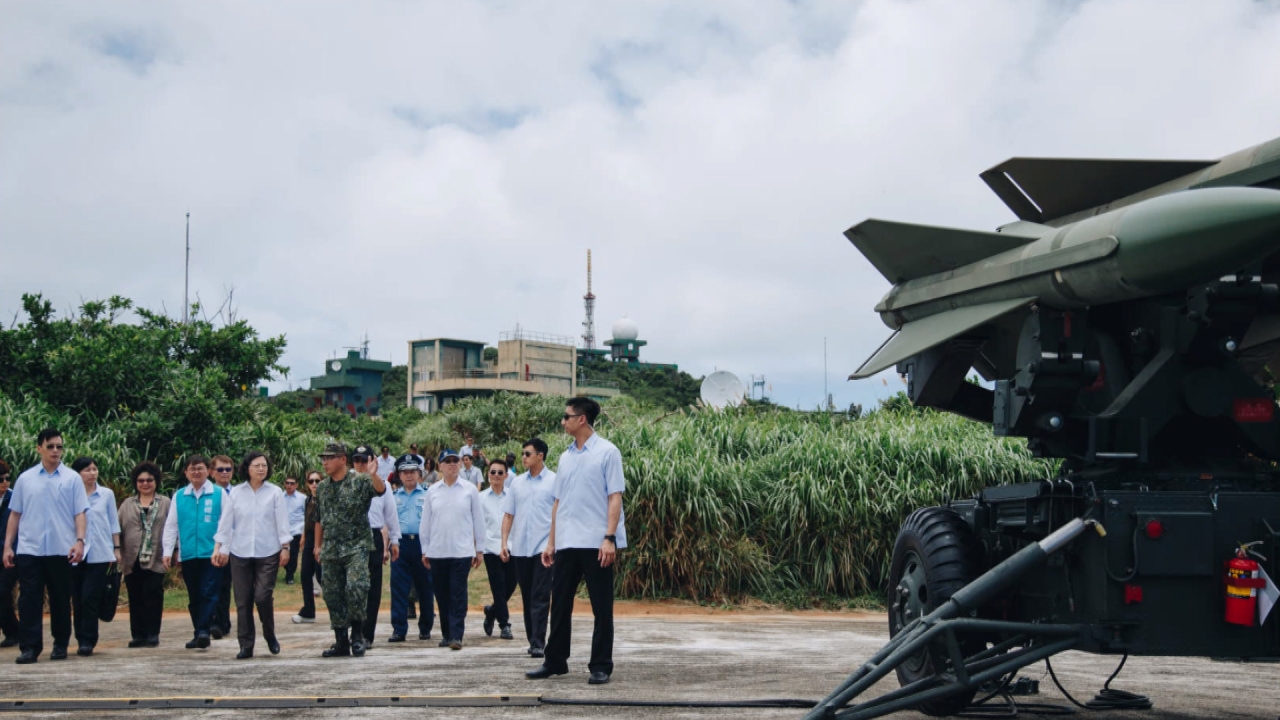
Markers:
point(624, 329)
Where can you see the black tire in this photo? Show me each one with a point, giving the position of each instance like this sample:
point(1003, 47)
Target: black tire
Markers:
point(935, 555)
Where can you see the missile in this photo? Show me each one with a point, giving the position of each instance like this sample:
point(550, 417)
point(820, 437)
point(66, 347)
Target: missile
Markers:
point(949, 281)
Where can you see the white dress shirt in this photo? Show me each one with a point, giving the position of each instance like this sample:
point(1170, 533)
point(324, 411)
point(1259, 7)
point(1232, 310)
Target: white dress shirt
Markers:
point(471, 475)
point(254, 524)
point(452, 521)
point(102, 523)
point(491, 503)
point(296, 505)
point(386, 466)
point(382, 513)
point(528, 500)
point(171, 522)
point(584, 481)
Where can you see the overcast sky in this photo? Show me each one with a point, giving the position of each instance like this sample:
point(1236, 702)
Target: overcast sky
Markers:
point(440, 169)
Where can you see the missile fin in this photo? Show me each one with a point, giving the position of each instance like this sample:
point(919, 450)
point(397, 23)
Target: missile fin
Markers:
point(920, 335)
point(904, 251)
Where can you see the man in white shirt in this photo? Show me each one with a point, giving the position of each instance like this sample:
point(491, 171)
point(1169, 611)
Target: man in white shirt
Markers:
point(587, 529)
point(501, 572)
point(469, 472)
point(295, 504)
point(384, 523)
point(466, 448)
point(526, 526)
point(44, 537)
point(386, 463)
point(189, 529)
point(452, 536)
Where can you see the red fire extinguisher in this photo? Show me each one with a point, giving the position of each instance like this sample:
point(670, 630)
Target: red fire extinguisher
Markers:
point(1242, 587)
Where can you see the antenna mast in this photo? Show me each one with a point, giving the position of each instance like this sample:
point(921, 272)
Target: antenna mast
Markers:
point(589, 301)
point(186, 277)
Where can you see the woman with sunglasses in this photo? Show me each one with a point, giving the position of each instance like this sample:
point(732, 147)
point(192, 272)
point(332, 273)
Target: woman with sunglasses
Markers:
point(310, 568)
point(142, 519)
point(253, 537)
point(502, 574)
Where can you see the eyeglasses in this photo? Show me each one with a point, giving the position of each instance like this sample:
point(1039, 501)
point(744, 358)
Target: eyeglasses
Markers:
point(497, 472)
point(222, 470)
point(567, 416)
point(449, 461)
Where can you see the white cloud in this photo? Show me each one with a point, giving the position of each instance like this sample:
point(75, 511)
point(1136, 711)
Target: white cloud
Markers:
point(440, 169)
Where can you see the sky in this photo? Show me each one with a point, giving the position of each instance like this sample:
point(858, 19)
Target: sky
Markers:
point(409, 170)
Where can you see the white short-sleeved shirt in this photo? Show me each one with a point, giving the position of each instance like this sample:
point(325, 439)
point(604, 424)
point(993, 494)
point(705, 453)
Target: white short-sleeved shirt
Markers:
point(253, 524)
point(386, 466)
point(49, 504)
point(296, 505)
point(491, 503)
point(528, 501)
point(452, 524)
point(472, 475)
point(382, 513)
point(584, 481)
point(102, 523)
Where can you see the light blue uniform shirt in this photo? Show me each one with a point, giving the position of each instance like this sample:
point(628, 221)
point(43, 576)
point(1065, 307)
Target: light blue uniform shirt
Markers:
point(584, 481)
point(103, 522)
point(528, 501)
point(49, 504)
point(409, 507)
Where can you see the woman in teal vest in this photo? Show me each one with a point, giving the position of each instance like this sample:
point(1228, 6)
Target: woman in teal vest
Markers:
point(190, 527)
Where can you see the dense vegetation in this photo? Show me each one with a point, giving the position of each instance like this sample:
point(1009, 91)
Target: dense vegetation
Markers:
point(758, 501)
point(661, 387)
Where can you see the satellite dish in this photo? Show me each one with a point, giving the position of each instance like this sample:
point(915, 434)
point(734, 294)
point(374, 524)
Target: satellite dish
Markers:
point(721, 389)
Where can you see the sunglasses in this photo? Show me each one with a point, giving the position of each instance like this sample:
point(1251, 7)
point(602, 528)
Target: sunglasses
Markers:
point(145, 479)
point(527, 453)
point(497, 472)
point(222, 470)
point(449, 461)
point(291, 483)
point(567, 416)
point(53, 447)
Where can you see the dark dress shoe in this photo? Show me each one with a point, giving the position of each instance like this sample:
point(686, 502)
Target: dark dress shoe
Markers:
point(216, 633)
point(59, 653)
point(202, 640)
point(8, 642)
point(395, 638)
point(137, 643)
point(444, 642)
point(488, 620)
point(536, 652)
point(542, 673)
point(26, 657)
point(506, 632)
point(84, 651)
point(455, 644)
point(245, 653)
point(597, 678)
point(424, 636)
point(273, 645)
point(153, 641)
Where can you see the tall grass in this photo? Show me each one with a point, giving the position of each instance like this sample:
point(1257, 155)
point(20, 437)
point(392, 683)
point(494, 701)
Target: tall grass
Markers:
point(764, 501)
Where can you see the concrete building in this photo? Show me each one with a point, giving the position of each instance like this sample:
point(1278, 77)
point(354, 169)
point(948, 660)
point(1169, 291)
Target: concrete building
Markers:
point(353, 383)
point(442, 370)
point(624, 348)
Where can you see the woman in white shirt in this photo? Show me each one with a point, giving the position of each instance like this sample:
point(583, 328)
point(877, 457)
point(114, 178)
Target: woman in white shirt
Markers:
point(253, 536)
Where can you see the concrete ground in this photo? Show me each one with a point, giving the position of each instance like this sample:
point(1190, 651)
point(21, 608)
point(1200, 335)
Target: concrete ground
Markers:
point(692, 654)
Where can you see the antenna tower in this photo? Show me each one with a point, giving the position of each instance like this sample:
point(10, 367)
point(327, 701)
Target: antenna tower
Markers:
point(186, 277)
point(589, 302)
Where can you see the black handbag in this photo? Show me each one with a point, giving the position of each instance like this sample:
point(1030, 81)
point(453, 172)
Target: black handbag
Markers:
point(110, 594)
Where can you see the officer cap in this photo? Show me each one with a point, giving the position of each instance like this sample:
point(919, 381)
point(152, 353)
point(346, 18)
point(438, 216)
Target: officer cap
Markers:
point(364, 450)
point(408, 461)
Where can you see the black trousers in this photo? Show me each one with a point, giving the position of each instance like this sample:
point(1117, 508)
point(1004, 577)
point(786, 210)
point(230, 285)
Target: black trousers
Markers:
point(375, 586)
point(36, 575)
point(571, 567)
point(310, 573)
point(535, 595)
point(449, 580)
point(291, 567)
point(254, 581)
point(203, 585)
point(222, 606)
point(8, 613)
point(502, 583)
point(146, 602)
point(88, 582)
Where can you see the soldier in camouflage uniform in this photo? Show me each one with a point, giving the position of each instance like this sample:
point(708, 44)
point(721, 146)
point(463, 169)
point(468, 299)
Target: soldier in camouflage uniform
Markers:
point(343, 544)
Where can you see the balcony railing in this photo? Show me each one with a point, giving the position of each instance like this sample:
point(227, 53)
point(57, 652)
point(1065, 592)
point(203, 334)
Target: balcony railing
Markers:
point(589, 382)
point(536, 337)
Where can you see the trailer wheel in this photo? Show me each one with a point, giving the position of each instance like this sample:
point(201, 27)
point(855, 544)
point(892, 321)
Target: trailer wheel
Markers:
point(935, 555)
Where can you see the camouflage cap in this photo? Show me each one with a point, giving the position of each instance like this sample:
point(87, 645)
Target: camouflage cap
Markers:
point(334, 449)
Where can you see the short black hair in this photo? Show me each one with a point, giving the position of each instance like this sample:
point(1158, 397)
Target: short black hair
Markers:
point(47, 434)
point(146, 466)
point(82, 462)
point(499, 461)
point(196, 459)
point(538, 444)
point(585, 406)
point(250, 457)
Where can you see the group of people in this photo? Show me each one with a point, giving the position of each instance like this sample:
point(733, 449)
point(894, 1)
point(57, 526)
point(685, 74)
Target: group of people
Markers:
point(540, 531)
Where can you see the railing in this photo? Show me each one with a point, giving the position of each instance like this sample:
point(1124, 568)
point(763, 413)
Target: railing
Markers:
point(521, 334)
point(588, 382)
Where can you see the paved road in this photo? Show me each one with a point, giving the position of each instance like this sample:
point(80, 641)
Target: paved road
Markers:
point(684, 656)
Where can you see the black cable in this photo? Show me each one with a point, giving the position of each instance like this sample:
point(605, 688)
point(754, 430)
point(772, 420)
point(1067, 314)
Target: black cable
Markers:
point(1107, 698)
point(765, 703)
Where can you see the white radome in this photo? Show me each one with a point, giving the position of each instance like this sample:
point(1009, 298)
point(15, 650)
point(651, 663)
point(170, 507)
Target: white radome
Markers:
point(625, 329)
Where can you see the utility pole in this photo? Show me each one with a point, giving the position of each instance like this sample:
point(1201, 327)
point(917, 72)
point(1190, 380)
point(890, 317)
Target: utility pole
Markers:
point(186, 278)
point(826, 398)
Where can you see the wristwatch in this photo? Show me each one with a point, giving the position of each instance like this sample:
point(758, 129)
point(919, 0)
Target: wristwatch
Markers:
point(612, 538)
